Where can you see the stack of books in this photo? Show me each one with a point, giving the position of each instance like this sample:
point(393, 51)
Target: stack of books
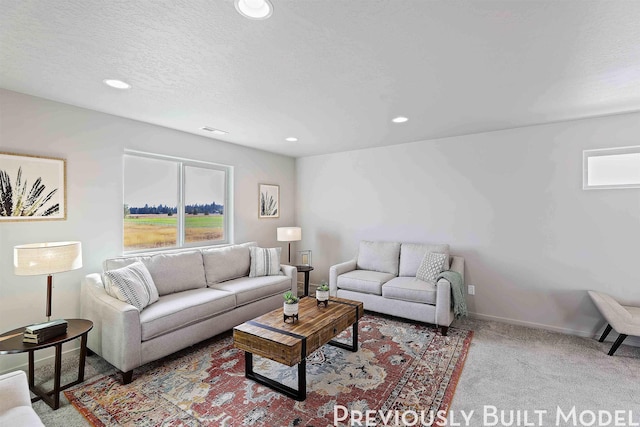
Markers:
point(36, 334)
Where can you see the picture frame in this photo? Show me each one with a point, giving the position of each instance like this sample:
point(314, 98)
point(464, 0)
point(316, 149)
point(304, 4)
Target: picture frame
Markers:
point(268, 201)
point(32, 188)
point(304, 258)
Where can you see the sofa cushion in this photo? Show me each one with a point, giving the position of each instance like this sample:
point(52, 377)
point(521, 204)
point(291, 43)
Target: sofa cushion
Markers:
point(115, 263)
point(264, 262)
point(411, 255)
point(248, 289)
point(369, 282)
point(226, 263)
point(171, 272)
point(132, 284)
point(175, 272)
point(432, 264)
point(379, 256)
point(410, 289)
point(177, 310)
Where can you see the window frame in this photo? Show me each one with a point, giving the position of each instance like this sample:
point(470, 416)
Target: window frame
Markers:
point(600, 152)
point(181, 164)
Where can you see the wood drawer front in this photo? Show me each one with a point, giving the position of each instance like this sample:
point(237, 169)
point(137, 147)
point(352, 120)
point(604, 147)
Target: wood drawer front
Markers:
point(286, 354)
point(337, 326)
point(330, 331)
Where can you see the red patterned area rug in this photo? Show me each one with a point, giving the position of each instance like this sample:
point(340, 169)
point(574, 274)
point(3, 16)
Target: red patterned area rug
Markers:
point(400, 368)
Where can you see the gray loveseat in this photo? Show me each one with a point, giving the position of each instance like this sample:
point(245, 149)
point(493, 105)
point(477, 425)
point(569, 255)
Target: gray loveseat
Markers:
point(383, 277)
point(202, 293)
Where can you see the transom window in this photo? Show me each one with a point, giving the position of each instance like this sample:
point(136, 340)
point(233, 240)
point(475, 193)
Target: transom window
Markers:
point(172, 203)
point(611, 168)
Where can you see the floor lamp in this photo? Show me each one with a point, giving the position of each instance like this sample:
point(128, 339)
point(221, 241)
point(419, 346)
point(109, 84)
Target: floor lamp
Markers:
point(47, 258)
point(289, 234)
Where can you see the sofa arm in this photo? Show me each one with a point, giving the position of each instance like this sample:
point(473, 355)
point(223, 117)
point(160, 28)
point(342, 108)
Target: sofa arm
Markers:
point(15, 401)
point(14, 391)
point(335, 271)
point(291, 272)
point(444, 312)
point(116, 334)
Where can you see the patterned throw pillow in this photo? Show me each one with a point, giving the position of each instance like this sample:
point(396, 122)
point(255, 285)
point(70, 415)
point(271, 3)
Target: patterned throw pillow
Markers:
point(132, 284)
point(264, 261)
point(432, 264)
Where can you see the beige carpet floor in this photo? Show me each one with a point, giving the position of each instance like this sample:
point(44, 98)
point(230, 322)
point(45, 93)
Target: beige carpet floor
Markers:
point(508, 369)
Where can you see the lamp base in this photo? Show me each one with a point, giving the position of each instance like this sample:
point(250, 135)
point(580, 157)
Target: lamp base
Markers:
point(49, 293)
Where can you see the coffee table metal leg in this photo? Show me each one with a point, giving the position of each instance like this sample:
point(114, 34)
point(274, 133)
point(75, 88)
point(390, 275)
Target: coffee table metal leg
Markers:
point(300, 394)
point(354, 344)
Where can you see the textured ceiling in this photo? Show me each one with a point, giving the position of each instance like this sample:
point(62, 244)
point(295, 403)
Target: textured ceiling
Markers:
point(330, 72)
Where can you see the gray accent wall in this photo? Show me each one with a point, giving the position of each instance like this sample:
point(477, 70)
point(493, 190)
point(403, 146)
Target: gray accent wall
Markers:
point(511, 202)
point(93, 144)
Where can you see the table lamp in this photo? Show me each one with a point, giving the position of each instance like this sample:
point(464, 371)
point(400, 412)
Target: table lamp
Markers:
point(289, 234)
point(47, 258)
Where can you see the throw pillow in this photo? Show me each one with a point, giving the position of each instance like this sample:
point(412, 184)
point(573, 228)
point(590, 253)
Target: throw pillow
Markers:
point(432, 264)
point(264, 261)
point(132, 284)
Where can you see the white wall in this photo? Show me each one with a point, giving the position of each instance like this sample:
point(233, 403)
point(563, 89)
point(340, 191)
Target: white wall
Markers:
point(93, 145)
point(511, 202)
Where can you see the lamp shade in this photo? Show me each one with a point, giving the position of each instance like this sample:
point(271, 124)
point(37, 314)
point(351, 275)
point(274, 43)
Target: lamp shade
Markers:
point(46, 258)
point(289, 234)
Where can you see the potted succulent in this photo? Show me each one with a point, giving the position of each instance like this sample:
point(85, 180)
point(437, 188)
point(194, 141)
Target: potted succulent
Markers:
point(322, 293)
point(290, 306)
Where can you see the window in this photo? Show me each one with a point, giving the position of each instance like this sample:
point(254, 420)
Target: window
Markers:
point(172, 203)
point(611, 168)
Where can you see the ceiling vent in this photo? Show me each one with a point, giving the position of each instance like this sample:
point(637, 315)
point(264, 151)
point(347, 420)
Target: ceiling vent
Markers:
point(214, 130)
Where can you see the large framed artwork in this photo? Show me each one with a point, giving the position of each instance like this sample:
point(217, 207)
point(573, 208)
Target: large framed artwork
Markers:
point(32, 188)
point(268, 201)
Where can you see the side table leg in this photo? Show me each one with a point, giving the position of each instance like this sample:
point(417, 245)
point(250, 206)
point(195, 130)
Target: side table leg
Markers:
point(306, 283)
point(83, 357)
point(32, 381)
point(56, 380)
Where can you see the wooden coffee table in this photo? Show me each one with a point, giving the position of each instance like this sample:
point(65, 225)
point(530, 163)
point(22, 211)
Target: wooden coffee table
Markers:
point(268, 336)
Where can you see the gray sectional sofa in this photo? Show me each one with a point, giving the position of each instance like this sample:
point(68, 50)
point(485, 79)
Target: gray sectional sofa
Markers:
point(383, 277)
point(202, 293)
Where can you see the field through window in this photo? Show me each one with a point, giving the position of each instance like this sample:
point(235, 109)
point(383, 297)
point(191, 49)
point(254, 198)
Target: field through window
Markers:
point(155, 190)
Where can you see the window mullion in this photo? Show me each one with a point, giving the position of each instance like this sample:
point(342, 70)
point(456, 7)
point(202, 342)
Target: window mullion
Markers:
point(181, 205)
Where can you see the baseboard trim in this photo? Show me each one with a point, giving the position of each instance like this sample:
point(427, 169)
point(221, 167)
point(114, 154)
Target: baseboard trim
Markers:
point(49, 360)
point(633, 341)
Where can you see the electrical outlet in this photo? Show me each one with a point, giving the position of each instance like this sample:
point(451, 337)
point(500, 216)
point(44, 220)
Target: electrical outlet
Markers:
point(472, 289)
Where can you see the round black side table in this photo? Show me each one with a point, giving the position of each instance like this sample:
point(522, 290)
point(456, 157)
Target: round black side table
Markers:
point(305, 269)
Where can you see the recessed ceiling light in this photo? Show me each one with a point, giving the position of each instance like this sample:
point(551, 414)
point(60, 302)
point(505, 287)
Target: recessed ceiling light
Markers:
point(399, 119)
point(291, 139)
point(213, 130)
point(117, 84)
point(254, 9)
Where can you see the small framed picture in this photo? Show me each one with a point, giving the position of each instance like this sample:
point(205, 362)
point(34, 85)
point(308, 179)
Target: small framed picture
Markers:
point(304, 257)
point(268, 201)
point(32, 188)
